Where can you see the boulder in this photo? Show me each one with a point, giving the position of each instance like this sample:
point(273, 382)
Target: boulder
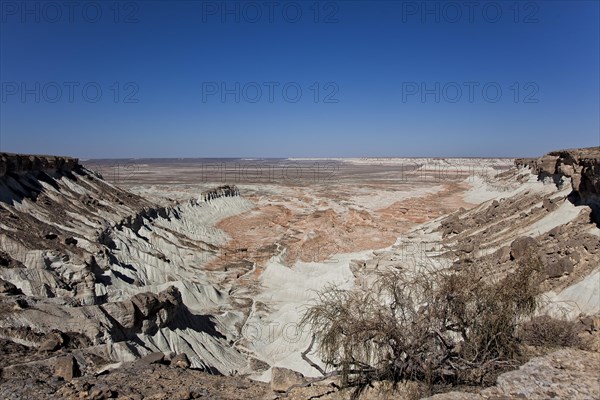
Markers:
point(547, 164)
point(149, 326)
point(282, 379)
point(123, 312)
point(566, 169)
point(108, 367)
point(170, 295)
point(180, 361)
point(66, 368)
point(5, 259)
point(523, 247)
point(549, 205)
point(575, 256)
point(152, 358)
point(146, 303)
point(452, 225)
point(157, 310)
point(258, 365)
point(564, 266)
point(502, 255)
point(101, 394)
point(591, 323)
point(556, 231)
point(52, 342)
point(8, 288)
point(467, 247)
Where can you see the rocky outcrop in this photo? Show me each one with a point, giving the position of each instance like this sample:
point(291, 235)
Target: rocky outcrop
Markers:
point(523, 247)
point(180, 361)
point(144, 313)
point(136, 221)
point(149, 381)
point(152, 358)
point(92, 260)
point(8, 288)
point(283, 379)
point(156, 310)
point(582, 166)
point(52, 342)
point(66, 367)
point(547, 377)
point(23, 163)
point(221, 191)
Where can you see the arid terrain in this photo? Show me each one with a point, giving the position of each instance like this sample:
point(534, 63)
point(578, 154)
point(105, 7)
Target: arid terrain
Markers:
point(181, 279)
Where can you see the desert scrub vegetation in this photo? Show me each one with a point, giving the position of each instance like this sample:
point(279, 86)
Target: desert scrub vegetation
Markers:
point(549, 332)
point(435, 327)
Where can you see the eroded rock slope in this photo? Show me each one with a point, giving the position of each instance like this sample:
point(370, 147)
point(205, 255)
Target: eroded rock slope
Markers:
point(95, 278)
point(88, 266)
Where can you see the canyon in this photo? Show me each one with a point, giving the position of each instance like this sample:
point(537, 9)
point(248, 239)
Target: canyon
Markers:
point(193, 275)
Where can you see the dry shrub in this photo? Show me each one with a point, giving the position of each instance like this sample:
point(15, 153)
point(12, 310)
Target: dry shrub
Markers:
point(430, 326)
point(545, 331)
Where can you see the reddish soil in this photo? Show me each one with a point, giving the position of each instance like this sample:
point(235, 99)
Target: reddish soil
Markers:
point(312, 233)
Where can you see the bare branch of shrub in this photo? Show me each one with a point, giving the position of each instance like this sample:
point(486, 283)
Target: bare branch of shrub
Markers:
point(549, 332)
point(425, 325)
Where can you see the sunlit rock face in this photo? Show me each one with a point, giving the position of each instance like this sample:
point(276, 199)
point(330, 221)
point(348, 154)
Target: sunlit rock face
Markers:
point(582, 166)
point(81, 255)
point(20, 164)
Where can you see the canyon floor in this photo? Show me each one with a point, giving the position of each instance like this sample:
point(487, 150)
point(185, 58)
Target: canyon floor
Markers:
point(193, 275)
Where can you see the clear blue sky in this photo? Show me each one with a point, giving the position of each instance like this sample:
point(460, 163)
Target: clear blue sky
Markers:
point(379, 65)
